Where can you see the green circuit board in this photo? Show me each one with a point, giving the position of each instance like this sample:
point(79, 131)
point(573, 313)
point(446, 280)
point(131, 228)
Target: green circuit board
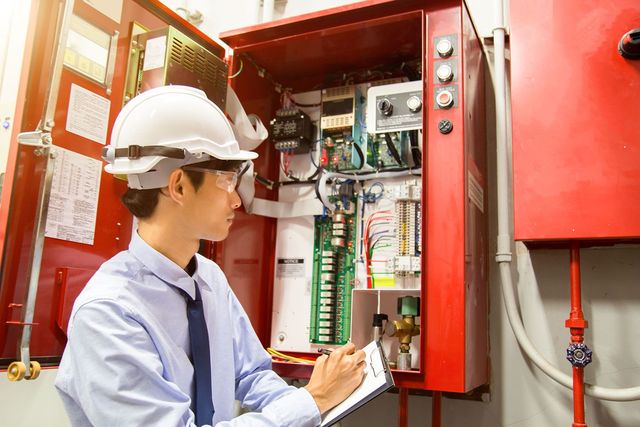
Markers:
point(333, 277)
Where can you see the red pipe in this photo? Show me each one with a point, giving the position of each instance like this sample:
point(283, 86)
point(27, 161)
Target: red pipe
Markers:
point(576, 325)
point(436, 407)
point(403, 413)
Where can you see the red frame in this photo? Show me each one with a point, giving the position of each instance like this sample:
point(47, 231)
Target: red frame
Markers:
point(454, 339)
point(575, 111)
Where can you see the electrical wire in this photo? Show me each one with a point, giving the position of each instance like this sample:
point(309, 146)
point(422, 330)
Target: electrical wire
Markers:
point(237, 73)
point(276, 353)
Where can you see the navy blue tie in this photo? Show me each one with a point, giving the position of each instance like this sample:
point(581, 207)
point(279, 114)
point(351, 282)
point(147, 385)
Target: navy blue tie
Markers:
point(201, 359)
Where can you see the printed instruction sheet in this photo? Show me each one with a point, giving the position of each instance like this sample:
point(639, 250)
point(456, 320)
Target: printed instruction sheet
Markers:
point(88, 114)
point(73, 203)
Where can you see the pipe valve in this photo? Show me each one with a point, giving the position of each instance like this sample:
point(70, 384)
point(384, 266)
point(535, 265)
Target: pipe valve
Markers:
point(579, 355)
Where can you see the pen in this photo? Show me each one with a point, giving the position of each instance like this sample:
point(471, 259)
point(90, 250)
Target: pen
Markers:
point(325, 351)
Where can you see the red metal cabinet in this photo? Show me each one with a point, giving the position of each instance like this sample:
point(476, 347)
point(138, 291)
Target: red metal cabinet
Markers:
point(575, 109)
point(303, 53)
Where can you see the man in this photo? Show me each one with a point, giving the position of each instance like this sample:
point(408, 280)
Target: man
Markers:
point(157, 337)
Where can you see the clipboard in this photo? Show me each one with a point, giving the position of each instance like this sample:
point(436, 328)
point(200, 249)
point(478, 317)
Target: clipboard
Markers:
point(377, 380)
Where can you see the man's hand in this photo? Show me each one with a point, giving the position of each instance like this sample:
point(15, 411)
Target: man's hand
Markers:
point(335, 377)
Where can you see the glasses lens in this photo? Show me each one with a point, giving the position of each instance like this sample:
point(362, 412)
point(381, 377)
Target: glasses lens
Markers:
point(227, 181)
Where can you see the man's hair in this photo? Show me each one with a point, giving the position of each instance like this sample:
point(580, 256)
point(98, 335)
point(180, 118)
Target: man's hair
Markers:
point(142, 203)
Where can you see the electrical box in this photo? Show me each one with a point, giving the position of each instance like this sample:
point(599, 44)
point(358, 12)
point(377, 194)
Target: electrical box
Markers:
point(166, 56)
point(575, 109)
point(385, 134)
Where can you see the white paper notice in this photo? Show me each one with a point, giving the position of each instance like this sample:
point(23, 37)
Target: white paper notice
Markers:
point(110, 8)
point(73, 203)
point(154, 53)
point(88, 114)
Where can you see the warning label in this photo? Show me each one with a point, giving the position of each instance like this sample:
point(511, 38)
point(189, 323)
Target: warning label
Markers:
point(290, 267)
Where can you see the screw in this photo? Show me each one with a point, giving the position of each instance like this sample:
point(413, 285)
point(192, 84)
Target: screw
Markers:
point(445, 126)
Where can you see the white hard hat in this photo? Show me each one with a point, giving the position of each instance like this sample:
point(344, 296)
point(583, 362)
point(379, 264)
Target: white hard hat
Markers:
point(165, 128)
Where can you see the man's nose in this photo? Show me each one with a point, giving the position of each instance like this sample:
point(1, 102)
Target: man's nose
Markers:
point(236, 202)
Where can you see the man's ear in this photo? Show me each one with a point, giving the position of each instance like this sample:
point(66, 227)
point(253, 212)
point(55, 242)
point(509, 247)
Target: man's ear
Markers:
point(175, 189)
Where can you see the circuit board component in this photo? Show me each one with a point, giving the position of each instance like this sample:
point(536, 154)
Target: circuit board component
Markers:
point(333, 276)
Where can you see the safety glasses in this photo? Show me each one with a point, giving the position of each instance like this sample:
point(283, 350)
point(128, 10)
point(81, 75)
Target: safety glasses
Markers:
point(227, 180)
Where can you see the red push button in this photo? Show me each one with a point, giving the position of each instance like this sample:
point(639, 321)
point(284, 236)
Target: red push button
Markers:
point(444, 99)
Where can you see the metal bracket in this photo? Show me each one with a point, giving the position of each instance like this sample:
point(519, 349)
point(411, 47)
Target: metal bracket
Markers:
point(36, 138)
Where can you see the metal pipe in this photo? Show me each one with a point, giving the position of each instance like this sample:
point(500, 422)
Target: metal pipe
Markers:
point(403, 409)
point(578, 397)
point(576, 294)
point(576, 323)
point(436, 409)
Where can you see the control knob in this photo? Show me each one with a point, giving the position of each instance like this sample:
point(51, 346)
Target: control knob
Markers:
point(385, 106)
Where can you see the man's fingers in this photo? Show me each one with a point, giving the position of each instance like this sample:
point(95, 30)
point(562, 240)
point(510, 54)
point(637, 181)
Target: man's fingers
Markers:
point(348, 348)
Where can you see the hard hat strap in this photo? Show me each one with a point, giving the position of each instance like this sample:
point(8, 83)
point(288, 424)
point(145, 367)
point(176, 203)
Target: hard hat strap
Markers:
point(136, 151)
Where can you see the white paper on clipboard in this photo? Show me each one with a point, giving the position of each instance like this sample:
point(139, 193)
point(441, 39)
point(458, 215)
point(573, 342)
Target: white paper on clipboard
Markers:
point(377, 380)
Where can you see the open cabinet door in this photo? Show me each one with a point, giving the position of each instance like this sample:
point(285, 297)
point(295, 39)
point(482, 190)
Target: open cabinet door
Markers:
point(62, 212)
point(55, 184)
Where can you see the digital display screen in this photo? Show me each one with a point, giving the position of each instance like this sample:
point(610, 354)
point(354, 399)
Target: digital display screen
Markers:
point(337, 107)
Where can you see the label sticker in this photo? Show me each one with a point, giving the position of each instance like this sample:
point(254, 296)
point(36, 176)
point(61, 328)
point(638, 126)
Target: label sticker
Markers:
point(154, 53)
point(88, 114)
point(290, 267)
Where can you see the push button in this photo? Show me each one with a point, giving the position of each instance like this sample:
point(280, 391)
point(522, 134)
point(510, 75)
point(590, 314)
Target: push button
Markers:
point(444, 99)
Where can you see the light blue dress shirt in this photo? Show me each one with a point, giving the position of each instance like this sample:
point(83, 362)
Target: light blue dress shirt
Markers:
point(127, 358)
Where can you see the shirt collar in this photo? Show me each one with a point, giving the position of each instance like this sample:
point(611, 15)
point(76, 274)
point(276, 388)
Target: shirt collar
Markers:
point(161, 266)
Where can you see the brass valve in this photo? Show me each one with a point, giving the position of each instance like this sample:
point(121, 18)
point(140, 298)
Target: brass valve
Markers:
point(404, 330)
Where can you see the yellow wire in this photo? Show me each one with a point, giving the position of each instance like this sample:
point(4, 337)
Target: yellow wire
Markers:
point(274, 352)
